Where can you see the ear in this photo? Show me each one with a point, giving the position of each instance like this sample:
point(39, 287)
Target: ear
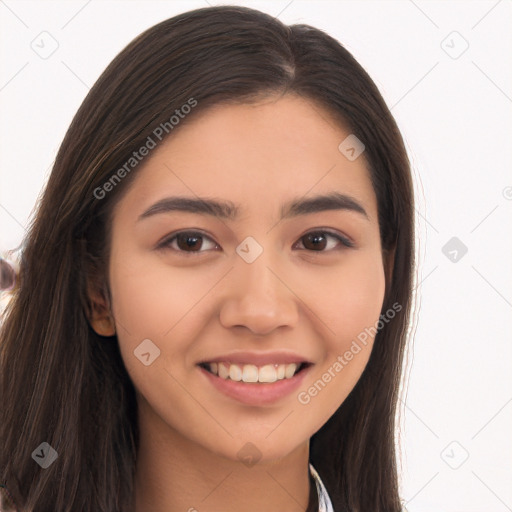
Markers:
point(99, 312)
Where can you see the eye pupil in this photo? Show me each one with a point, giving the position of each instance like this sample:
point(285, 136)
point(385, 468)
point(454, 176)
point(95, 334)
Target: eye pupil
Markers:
point(187, 241)
point(314, 238)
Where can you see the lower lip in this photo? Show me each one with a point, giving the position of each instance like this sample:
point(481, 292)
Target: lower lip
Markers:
point(256, 393)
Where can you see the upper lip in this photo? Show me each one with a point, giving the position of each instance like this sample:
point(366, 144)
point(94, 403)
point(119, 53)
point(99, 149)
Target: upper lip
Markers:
point(258, 358)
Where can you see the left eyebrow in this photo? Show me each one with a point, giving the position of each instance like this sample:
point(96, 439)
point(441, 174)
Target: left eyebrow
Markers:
point(228, 210)
point(333, 201)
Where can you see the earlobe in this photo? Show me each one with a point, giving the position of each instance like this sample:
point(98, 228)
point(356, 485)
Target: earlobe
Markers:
point(99, 314)
point(104, 326)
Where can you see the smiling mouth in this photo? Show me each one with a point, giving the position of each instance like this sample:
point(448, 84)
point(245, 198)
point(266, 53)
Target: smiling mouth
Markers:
point(267, 373)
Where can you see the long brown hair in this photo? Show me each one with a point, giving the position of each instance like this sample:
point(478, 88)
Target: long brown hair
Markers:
point(63, 384)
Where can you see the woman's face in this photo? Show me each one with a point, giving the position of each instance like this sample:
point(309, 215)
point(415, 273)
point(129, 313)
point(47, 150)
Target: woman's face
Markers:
point(262, 280)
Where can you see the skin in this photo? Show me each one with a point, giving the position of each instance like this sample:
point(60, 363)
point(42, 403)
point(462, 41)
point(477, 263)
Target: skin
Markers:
point(196, 305)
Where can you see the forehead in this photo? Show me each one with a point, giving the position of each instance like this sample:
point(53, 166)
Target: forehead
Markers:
point(255, 155)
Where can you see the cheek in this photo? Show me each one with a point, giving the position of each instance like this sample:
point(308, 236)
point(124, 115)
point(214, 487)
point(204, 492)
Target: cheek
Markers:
point(361, 301)
point(157, 302)
point(349, 299)
point(351, 304)
point(148, 296)
point(150, 302)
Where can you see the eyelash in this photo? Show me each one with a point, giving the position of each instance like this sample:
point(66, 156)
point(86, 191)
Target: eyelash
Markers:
point(166, 243)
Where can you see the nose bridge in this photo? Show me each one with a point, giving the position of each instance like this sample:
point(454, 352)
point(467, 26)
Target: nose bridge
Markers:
point(258, 299)
point(257, 280)
point(252, 266)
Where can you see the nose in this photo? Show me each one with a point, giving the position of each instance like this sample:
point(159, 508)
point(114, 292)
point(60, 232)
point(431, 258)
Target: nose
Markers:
point(259, 299)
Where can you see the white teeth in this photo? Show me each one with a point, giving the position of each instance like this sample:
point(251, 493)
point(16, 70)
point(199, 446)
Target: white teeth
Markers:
point(290, 370)
point(252, 373)
point(223, 370)
point(267, 373)
point(235, 373)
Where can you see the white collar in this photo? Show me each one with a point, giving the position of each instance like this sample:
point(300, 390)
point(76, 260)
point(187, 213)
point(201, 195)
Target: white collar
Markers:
point(324, 502)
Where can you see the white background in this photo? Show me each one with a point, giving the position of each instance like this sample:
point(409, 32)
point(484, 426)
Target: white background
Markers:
point(456, 117)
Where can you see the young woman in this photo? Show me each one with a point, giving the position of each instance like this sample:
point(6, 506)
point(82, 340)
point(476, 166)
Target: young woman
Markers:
point(213, 298)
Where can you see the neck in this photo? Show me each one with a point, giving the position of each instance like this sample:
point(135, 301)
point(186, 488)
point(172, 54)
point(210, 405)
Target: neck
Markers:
point(176, 474)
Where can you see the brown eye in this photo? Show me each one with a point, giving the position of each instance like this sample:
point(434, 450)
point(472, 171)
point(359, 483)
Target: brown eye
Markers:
point(318, 241)
point(188, 242)
point(315, 241)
